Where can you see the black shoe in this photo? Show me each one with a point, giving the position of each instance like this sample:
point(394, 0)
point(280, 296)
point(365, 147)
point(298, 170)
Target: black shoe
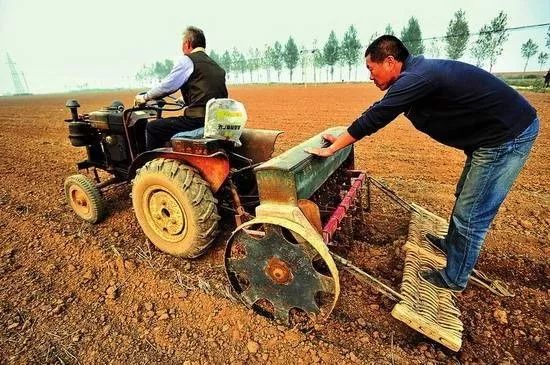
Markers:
point(434, 278)
point(437, 241)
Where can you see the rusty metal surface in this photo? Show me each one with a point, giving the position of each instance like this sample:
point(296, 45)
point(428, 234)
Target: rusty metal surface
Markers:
point(266, 261)
point(257, 144)
point(204, 146)
point(340, 212)
point(213, 168)
point(296, 174)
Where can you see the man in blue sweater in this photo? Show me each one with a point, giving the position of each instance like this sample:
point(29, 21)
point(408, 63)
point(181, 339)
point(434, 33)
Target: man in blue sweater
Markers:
point(461, 106)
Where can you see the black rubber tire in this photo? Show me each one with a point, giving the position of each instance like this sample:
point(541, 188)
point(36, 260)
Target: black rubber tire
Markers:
point(84, 198)
point(175, 207)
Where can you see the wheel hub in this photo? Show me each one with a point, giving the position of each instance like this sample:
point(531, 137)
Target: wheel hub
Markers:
point(80, 201)
point(165, 214)
point(278, 271)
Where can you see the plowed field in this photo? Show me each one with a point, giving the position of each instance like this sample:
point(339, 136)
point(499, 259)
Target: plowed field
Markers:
point(75, 293)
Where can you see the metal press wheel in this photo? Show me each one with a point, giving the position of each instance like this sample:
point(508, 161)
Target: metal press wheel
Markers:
point(175, 207)
point(275, 271)
point(84, 198)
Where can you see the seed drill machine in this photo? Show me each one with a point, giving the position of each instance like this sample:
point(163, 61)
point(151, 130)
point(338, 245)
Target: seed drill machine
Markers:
point(287, 209)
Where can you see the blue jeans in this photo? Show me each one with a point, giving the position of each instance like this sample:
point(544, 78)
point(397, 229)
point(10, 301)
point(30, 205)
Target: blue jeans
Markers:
point(488, 175)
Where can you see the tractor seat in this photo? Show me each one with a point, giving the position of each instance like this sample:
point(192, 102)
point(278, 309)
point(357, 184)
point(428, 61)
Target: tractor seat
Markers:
point(183, 142)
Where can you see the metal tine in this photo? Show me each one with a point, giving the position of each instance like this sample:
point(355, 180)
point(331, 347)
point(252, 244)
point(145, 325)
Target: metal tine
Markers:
point(327, 283)
point(311, 308)
point(236, 265)
point(282, 315)
point(250, 296)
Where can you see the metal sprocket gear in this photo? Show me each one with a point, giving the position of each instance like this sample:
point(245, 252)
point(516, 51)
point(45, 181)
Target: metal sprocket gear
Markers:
point(277, 265)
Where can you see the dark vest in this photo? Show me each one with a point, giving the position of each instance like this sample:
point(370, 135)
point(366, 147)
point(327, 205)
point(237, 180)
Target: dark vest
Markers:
point(206, 82)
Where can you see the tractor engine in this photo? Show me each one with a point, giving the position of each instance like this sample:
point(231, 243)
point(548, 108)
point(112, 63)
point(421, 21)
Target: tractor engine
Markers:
point(102, 133)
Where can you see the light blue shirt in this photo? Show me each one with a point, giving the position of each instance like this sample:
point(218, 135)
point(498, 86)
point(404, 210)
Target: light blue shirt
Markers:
point(179, 75)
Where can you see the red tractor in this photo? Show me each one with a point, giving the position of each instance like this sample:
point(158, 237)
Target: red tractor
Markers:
point(177, 190)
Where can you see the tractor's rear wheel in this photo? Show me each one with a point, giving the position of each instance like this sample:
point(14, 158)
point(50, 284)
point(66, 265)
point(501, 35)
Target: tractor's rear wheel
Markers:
point(175, 207)
point(84, 198)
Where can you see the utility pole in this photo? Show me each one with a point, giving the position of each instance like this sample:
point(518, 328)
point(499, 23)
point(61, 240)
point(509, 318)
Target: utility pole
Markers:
point(305, 56)
point(15, 77)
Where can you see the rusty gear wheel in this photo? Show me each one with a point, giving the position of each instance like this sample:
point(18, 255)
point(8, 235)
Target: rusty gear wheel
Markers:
point(270, 263)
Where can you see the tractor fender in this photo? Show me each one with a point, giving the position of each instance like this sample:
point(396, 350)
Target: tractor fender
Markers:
point(213, 168)
point(257, 144)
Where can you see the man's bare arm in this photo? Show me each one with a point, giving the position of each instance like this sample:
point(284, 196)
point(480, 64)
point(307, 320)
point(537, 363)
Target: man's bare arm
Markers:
point(337, 143)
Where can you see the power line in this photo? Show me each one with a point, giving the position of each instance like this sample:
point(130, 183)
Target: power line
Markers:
point(511, 29)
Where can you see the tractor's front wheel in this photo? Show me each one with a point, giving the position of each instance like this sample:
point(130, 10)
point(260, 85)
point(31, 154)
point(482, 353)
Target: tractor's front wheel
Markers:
point(85, 199)
point(175, 207)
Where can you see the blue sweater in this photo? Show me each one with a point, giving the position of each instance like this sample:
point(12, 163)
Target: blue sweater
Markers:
point(455, 103)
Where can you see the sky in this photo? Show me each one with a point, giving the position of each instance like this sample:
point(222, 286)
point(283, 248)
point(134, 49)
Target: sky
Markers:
point(63, 44)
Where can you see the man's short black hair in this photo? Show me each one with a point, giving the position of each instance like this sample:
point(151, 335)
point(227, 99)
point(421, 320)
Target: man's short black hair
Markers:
point(195, 36)
point(387, 45)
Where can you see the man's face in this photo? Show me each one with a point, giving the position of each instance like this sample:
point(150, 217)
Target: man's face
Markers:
point(383, 73)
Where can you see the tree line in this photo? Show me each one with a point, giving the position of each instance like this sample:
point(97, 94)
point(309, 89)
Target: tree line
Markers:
point(487, 46)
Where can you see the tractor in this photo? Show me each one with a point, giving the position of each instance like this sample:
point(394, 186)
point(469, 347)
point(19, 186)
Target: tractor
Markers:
point(175, 189)
point(288, 210)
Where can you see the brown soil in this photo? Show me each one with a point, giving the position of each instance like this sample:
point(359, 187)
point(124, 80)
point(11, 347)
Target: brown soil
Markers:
point(77, 293)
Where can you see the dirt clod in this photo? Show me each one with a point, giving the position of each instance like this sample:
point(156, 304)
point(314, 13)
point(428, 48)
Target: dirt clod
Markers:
point(252, 347)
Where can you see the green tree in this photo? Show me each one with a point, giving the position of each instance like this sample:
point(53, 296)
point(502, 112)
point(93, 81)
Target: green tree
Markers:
point(145, 75)
point(373, 36)
point(411, 36)
point(548, 37)
point(350, 48)
point(480, 49)
point(215, 57)
point(239, 62)
point(330, 52)
point(457, 36)
point(290, 56)
point(389, 30)
point(542, 59)
point(254, 62)
point(162, 68)
point(227, 63)
point(528, 49)
point(277, 60)
point(267, 61)
point(496, 37)
point(434, 49)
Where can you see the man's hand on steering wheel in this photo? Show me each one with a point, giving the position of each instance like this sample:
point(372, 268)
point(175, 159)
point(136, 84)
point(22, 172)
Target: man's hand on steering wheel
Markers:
point(140, 99)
